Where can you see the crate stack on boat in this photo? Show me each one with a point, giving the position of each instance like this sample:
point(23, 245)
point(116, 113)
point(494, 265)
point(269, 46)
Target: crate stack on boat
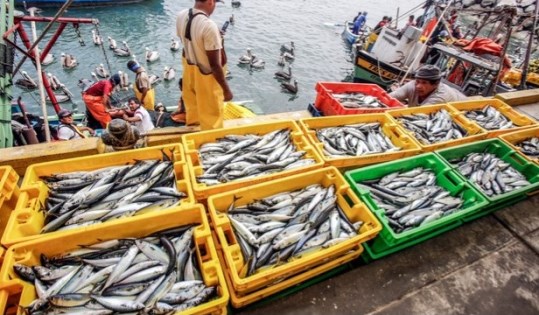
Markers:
point(9, 195)
point(342, 98)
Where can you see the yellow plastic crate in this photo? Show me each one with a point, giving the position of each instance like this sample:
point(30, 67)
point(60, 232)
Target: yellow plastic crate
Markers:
point(9, 194)
point(475, 133)
point(10, 295)
point(241, 300)
point(28, 253)
point(395, 133)
point(234, 110)
point(520, 120)
point(518, 136)
point(27, 219)
point(193, 141)
point(347, 200)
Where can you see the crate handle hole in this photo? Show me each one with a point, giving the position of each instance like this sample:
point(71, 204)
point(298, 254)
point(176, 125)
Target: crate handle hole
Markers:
point(23, 218)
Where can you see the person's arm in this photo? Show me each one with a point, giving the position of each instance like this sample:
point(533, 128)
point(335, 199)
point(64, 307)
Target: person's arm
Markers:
point(402, 93)
point(214, 57)
point(84, 128)
point(135, 118)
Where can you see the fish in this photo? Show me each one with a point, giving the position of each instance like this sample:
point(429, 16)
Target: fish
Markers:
point(489, 118)
point(436, 127)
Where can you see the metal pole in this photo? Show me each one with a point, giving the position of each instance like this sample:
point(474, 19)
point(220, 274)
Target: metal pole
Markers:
point(507, 17)
point(397, 19)
point(529, 50)
point(40, 78)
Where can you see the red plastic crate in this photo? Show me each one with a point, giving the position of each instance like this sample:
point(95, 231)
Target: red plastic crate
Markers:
point(328, 105)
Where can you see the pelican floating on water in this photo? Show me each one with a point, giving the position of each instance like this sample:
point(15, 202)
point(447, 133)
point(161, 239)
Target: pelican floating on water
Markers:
point(49, 58)
point(287, 49)
point(112, 43)
point(289, 56)
point(101, 71)
point(175, 45)
point(151, 55)
point(124, 81)
point(248, 58)
point(154, 79)
point(291, 88)
point(281, 75)
point(69, 61)
point(26, 82)
point(123, 51)
point(169, 73)
point(97, 39)
point(281, 61)
point(62, 97)
point(54, 81)
point(257, 63)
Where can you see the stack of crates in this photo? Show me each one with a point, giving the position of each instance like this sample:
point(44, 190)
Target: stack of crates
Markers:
point(475, 133)
point(514, 138)
point(520, 121)
point(15, 292)
point(389, 241)
point(327, 104)
point(408, 146)
point(245, 290)
point(27, 219)
point(9, 195)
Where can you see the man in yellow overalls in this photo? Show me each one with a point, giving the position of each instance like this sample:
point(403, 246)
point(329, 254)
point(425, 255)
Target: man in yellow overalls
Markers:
point(142, 87)
point(204, 85)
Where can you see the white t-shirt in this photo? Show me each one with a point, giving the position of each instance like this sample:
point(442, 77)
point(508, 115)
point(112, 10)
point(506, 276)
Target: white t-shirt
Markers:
point(66, 133)
point(205, 36)
point(145, 124)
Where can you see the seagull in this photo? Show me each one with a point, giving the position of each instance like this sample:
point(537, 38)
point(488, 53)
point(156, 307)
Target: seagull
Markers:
point(151, 55)
point(287, 49)
point(281, 75)
point(68, 61)
point(26, 82)
point(101, 71)
point(123, 51)
point(169, 73)
point(112, 43)
point(291, 88)
point(54, 81)
point(98, 40)
point(175, 45)
point(248, 58)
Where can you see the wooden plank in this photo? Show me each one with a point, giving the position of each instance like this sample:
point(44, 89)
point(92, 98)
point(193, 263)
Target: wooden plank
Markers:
point(297, 115)
point(21, 157)
point(519, 97)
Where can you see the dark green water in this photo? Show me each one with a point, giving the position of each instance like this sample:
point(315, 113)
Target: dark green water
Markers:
point(321, 53)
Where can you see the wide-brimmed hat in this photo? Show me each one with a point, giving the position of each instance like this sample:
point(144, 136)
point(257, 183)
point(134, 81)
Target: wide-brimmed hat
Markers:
point(428, 72)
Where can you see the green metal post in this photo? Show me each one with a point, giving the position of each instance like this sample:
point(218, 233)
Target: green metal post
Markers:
point(6, 21)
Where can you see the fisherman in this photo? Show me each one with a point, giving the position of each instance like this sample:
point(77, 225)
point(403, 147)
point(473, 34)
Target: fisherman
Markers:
point(204, 66)
point(179, 115)
point(67, 130)
point(120, 136)
point(143, 88)
point(358, 24)
point(140, 118)
point(378, 28)
point(97, 101)
point(427, 89)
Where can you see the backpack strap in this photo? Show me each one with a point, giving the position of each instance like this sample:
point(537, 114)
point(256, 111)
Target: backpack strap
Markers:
point(189, 22)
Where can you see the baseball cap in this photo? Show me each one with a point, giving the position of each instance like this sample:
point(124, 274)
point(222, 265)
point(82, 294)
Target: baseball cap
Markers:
point(115, 79)
point(64, 113)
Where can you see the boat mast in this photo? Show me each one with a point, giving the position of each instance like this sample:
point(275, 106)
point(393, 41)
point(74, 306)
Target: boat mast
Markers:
point(524, 76)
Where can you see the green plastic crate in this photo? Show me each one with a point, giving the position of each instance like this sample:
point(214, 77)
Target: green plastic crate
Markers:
point(445, 177)
point(504, 152)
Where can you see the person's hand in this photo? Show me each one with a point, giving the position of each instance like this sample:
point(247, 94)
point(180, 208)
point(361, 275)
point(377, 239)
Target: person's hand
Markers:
point(91, 131)
point(228, 95)
point(125, 117)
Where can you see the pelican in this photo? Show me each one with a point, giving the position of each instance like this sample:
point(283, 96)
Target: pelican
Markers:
point(123, 51)
point(257, 63)
point(26, 82)
point(49, 58)
point(84, 84)
point(248, 58)
point(154, 79)
point(236, 3)
point(169, 73)
point(175, 45)
point(98, 40)
point(291, 88)
point(281, 61)
point(64, 96)
point(54, 81)
point(289, 56)
point(124, 81)
point(69, 61)
point(287, 49)
point(151, 55)
point(101, 71)
point(112, 43)
point(281, 75)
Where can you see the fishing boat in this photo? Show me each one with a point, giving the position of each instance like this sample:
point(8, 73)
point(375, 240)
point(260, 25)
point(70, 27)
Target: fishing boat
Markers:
point(76, 3)
point(352, 38)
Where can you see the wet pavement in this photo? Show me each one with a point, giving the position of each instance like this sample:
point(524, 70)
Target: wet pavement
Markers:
point(487, 266)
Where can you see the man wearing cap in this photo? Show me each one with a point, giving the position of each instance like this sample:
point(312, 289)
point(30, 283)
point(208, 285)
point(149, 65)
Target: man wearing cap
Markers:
point(204, 60)
point(67, 130)
point(143, 88)
point(427, 89)
point(358, 24)
point(96, 98)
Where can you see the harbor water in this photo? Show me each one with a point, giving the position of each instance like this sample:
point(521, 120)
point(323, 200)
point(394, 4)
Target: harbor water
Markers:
point(313, 25)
